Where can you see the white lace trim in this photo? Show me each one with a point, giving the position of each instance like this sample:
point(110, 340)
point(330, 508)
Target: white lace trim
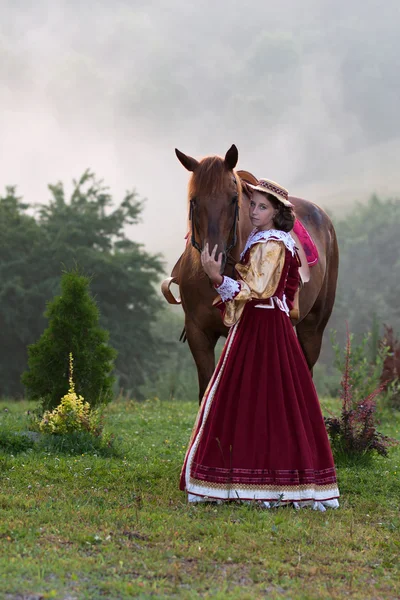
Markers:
point(274, 300)
point(228, 289)
point(314, 504)
point(208, 399)
point(271, 234)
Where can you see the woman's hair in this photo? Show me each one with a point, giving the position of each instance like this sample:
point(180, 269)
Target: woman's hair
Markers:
point(284, 219)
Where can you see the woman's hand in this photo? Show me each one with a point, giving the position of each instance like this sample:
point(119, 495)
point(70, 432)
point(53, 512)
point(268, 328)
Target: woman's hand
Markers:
point(211, 266)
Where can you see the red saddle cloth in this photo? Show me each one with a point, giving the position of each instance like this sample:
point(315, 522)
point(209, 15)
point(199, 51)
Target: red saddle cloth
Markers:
point(307, 242)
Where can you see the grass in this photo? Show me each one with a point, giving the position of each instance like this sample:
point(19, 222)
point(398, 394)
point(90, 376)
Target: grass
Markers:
point(81, 521)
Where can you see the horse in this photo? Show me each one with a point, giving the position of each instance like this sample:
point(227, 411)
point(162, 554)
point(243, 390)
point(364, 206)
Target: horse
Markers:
point(218, 211)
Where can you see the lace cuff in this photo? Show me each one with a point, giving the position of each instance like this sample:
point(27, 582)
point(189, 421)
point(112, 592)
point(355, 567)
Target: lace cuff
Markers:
point(228, 289)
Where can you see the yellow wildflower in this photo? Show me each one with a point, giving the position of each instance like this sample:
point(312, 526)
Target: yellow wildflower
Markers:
point(72, 414)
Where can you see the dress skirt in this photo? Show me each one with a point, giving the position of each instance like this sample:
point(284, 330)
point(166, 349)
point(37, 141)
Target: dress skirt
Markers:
point(260, 433)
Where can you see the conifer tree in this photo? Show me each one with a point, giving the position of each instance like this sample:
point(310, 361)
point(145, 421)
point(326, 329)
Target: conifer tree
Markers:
point(89, 228)
point(73, 327)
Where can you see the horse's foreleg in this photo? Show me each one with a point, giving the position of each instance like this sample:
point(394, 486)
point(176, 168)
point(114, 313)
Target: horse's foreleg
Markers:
point(202, 347)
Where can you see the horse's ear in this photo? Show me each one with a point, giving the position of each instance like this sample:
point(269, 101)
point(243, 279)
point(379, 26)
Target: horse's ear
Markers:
point(188, 162)
point(231, 157)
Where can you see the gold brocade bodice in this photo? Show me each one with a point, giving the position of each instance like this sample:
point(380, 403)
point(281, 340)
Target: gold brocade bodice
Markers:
point(258, 277)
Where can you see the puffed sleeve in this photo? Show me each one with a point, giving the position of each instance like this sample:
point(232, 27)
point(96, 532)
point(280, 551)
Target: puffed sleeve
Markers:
point(257, 279)
point(293, 280)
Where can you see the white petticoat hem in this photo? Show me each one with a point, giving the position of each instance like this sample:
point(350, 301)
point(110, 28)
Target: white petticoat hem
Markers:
point(320, 505)
point(237, 493)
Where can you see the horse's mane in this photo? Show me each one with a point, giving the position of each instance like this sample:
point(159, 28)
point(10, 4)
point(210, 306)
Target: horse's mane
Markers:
point(209, 176)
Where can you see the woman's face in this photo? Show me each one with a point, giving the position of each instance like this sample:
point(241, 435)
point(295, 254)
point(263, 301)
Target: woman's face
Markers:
point(261, 212)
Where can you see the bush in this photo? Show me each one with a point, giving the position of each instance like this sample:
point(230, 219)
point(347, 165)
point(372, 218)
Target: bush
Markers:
point(354, 433)
point(72, 414)
point(14, 442)
point(73, 327)
point(80, 442)
point(365, 363)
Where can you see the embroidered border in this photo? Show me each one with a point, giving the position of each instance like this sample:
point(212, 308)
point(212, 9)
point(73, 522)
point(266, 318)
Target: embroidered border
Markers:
point(265, 476)
point(282, 493)
point(274, 188)
point(261, 487)
point(303, 472)
point(241, 477)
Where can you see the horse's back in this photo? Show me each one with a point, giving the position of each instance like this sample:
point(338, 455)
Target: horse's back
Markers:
point(318, 294)
point(310, 213)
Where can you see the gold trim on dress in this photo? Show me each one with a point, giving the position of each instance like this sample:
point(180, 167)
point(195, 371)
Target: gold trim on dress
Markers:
point(275, 488)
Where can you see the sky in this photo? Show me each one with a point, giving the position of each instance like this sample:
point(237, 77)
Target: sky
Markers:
point(308, 91)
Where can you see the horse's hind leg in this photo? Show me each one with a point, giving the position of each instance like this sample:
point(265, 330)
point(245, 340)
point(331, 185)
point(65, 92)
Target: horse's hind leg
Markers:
point(202, 346)
point(311, 329)
point(310, 336)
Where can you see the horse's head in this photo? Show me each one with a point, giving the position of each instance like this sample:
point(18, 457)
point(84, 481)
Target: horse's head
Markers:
point(215, 193)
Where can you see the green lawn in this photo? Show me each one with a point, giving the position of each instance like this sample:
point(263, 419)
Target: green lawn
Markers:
point(100, 524)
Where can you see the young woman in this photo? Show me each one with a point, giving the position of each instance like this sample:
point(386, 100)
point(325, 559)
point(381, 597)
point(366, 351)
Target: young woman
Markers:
point(260, 433)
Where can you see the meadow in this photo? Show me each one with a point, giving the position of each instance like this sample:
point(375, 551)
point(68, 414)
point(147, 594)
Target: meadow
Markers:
point(81, 520)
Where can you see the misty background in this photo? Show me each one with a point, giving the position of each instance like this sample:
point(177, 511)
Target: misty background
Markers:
point(308, 91)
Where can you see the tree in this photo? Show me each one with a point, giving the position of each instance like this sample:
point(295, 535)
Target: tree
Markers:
point(73, 328)
point(88, 230)
point(369, 272)
point(19, 280)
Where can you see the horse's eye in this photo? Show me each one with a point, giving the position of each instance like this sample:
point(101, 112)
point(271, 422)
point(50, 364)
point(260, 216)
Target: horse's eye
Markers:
point(235, 199)
point(193, 201)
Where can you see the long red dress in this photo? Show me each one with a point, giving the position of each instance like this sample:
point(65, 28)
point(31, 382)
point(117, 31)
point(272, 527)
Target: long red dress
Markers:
point(260, 433)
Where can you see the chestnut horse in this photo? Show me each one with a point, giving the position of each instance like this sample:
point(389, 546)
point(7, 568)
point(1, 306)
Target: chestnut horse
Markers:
point(218, 207)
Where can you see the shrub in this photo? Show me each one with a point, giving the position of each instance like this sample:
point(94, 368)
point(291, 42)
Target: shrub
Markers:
point(365, 363)
point(73, 327)
point(354, 433)
point(72, 414)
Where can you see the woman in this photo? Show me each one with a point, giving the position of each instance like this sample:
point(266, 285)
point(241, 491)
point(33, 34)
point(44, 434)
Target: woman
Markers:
point(260, 433)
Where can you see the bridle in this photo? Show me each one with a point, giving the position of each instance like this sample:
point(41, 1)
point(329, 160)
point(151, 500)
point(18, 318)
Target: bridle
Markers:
point(195, 243)
point(232, 233)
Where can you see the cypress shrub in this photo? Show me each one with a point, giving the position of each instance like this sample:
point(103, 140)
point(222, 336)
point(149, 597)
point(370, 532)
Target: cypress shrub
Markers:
point(73, 327)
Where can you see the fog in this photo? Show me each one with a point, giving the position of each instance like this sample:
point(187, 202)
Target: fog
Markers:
point(308, 91)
